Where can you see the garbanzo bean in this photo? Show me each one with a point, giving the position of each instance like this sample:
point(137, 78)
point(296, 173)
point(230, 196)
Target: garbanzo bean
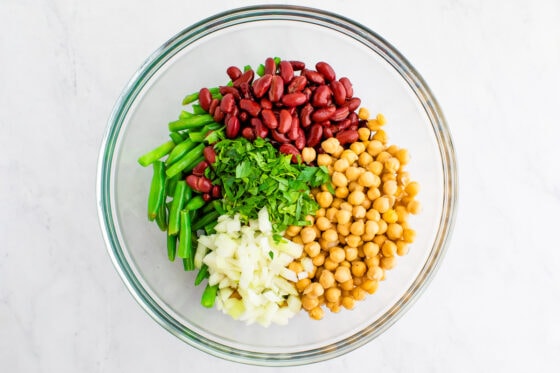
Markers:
point(375, 147)
point(353, 240)
point(341, 192)
point(324, 199)
point(308, 302)
point(370, 286)
point(333, 294)
point(402, 248)
point(381, 136)
point(317, 313)
point(388, 262)
point(349, 155)
point(353, 173)
point(382, 204)
point(357, 228)
point(364, 159)
point(366, 205)
point(390, 187)
point(354, 185)
point(357, 197)
point(403, 156)
point(412, 188)
point(312, 248)
point(331, 214)
point(373, 194)
point(339, 179)
point(409, 235)
point(358, 268)
point(359, 212)
point(314, 289)
point(308, 234)
point(358, 147)
point(363, 113)
point(323, 223)
point(302, 284)
point(348, 303)
point(330, 145)
point(413, 207)
point(343, 229)
point(319, 260)
point(308, 154)
point(346, 206)
point(341, 165)
point(343, 216)
point(390, 216)
point(358, 293)
point(364, 134)
point(351, 253)
point(371, 249)
point(342, 274)
point(394, 231)
point(389, 248)
point(324, 160)
point(293, 230)
point(330, 235)
point(337, 254)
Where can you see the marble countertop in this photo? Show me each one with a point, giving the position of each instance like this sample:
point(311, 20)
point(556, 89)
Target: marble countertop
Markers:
point(494, 306)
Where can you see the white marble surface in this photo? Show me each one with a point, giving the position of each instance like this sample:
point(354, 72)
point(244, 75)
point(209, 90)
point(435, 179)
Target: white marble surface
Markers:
point(493, 307)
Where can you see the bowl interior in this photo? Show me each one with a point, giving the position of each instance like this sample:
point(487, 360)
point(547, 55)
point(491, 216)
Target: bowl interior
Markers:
point(167, 292)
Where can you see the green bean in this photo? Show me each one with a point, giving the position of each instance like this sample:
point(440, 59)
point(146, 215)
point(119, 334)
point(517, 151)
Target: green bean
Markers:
point(155, 154)
point(188, 265)
point(247, 68)
point(197, 109)
point(209, 296)
point(191, 166)
point(277, 60)
point(214, 91)
point(176, 206)
point(157, 190)
point(209, 207)
point(176, 137)
point(171, 184)
point(161, 218)
point(171, 247)
point(179, 151)
point(206, 219)
point(197, 136)
point(195, 203)
point(185, 114)
point(190, 122)
point(185, 160)
point(212, 127)
point(209, 228)
point(185, 239)
point(260, 70)
point(190, 98)
point(218, 207)
point(202, 274)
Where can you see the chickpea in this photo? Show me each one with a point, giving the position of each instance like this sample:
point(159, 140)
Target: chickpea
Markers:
point(341, 165)
point(394, 231)
point(324, 160)
point(308, 234)
point(381, 119)
point(326, 245)
point(319, 260)
point(349, 155)
point(372, 262)
point(312, 249)
point(403, 156)
point(324, 199)
point(331, 214)
point(409, 235)
point(302, 284)
point(358, 268)
point(382, 226)
point(296, 267)
point(364, 133)
point(316, 313)
point(383, 156)
point(314, 289)
point(389, 248)
point(320, 213)
point(330, 264)
point(388, 262)
point(310, 219)
point(337, 254)
point(330, 235)
point(357, 197)
point(353, 173)
point(293, 230)
point(348, 302)
point(381, 136)
point(358, 148)
point(346, 206)
point(374, 273)
point(330, 145)
point(333, 295)
point(373, 214)
point(371, 249)
point(392, 165)
point(347, 287)
point(363, 113)
point(374, 147)
point(382, 204)
point(402, 248)
point(403, 177)
point(373, 194)
point(339, 179)
point(341, 192)
point(308, 154)
point(343, 230)
point(317, 231)
point(370, 286)
point(402, 214)
point(358, 293)
point(390, 187)
point(353, 241)
point(413, 207)
point(392, 149)
point(351, 254)
point(386, 176)
point(412, 188)
point(359, 212)
point(357, 227)
point(308, 302)
point(334, 307)
point(297, 239)
point(367, 179)
point(336, 202)
point(323, 223)
point(343, 216)
point(357, 282)
point(366, 205)
point(364, 159)
point(354, 185)
point(380, 239)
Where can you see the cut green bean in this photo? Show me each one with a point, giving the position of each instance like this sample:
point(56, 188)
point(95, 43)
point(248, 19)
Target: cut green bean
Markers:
point(188, 265)
point(247, 68)
point(157, 190)
point(155, 154)
point(191, 166)
point(171, 247)
point(185, 239)
point(176, 137)
point(177, 204)
point(209, 228)
point(195, 203)
point(214, 91)
point(197, 109)
point(179, 151)
point(209, 296)
point(171, 184)
point(260, 70)
point(190, 122)
point(161, 218)
point(201, 275)
point(277, 60)
point(185, 114)
point(209, 207)
point(197, 136)
point(206, 219)
point(185, 161)
point(190, 98)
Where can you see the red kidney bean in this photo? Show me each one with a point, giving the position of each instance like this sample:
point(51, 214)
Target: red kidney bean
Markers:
point(300, 140)
point(228, 103)
point(321, 96)
point(250, 107)
point(206, 197)
point(265, 103)
point(325, 123)
point(347, 136)
point(216, 191)
point(225, 89)
point(199, 183)
point(314, 136)
point(297, 84)
point(326, 70)
point(243, 116)
point(340, 113)
point(353, 127)
point(260, 129)
point(204, 99)
point(305, 115)
point(209, 154)
point(246, 77)
point(354, 103)
point(269, 119)
point(245, 90)
point(344, 124)
point(339, 92)
point(232, 128)
point(280, 137)
point(286, 71)
point(219, 115)
point(276, 89)
point(347, 86)
point(290, 149)
point(294, 99)
point(213, 105)
point(353, 119)
point(235, 111)
point(261, 85)
point(233, 72)
point(198, 170)
point(323, 114)
point(308, 92)
point(294, 128)
point(327, 132)
point(284, 121)
point(297, 65)
point(269, 66)
point(313, 76)
point(248, 133)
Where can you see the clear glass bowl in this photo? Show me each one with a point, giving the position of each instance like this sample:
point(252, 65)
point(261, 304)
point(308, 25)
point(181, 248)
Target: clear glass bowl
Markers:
point(198, 56)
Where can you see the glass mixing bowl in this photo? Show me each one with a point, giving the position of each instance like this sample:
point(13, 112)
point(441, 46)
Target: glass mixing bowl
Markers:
point(198, 56)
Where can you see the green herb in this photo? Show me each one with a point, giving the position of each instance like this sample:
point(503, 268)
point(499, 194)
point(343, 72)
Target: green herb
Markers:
point(255, 174)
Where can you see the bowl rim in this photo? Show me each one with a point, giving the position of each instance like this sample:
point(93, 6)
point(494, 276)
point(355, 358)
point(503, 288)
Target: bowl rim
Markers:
point(261, 13)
